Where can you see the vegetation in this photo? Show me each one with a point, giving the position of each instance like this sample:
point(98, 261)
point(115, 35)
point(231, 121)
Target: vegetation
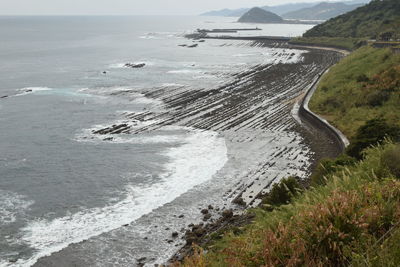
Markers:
point(362, 87)
point(373, 132)
point(282, 193)
point(342, 223)
point(369, 21)
point(329, 166)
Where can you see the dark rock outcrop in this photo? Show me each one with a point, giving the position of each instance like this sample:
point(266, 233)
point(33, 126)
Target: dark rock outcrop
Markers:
point(134, 66)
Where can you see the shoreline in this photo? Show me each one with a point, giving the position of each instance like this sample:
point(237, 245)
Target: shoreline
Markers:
point(202, 234)
point(253, 109)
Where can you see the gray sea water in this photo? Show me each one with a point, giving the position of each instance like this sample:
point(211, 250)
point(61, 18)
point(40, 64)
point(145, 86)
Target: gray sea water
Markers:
point(63, 190)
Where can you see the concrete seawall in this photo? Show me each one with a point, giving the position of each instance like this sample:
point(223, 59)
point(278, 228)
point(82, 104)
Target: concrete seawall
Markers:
point(317, 121)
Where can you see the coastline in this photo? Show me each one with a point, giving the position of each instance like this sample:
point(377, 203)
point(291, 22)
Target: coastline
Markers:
point(253, 111)
point(314, 125)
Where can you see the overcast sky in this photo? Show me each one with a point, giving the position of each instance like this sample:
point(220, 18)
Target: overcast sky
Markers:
point(127, 7)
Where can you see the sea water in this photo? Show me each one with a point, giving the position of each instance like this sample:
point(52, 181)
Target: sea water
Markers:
point(63, 188)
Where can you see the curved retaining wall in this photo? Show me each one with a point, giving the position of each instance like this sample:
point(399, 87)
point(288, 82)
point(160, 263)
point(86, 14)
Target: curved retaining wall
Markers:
point(306, 114)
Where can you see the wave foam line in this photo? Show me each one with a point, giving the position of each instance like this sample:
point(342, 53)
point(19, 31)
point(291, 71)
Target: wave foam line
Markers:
point(191, 164)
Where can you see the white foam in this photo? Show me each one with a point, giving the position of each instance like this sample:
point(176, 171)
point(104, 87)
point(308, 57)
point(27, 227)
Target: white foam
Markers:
point(196, 161)
point(86, 135)
point(246, 55)
point(172, 85)
point(184, 71)
point(140, 98)
point(134, 96)
point(31, 90)
point(11, 205)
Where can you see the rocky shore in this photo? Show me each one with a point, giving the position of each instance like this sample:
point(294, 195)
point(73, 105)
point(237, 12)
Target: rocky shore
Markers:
point(253, 111)
point(256, 103)
point(325, 142)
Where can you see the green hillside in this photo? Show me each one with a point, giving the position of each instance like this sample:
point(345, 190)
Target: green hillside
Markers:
point(365, 22)
point(363, 86)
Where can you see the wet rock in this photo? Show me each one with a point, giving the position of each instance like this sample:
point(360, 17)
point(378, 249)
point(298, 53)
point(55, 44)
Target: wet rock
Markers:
point(193, 46)
point(199, 232)
point(125, 225)
point(207, 217)
point(141, 261)
point(175, 234)
point(227, 214)
point(167, 229)
point(181, 216)
point(134, 66)
point(210, 207)
point(170, 241)
point(204, 211)
point(239, 201)
point(115, 129)
point(108, 139)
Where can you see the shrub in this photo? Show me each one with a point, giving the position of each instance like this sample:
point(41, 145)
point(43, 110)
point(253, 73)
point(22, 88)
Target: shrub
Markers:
point(372, 133)
point(391, 160)
point(327, 233)
point(329, 166)
point(378, 98)
point(362, 78)
point(283, 192)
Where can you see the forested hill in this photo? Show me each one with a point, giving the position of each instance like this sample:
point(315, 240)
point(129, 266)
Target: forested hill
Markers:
point(368, 21)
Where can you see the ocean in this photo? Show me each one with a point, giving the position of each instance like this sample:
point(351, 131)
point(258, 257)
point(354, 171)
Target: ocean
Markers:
point(105, 200)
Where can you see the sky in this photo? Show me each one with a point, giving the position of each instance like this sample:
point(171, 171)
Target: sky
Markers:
point(127, 7)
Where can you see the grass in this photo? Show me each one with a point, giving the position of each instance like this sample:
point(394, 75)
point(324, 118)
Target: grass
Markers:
point(351, 215)
point(368, 21)
point(345, 222)
point(336, 42)
point(363, 86)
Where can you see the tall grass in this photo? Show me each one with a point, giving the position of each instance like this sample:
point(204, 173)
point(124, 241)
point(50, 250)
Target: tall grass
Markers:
point(331, 225)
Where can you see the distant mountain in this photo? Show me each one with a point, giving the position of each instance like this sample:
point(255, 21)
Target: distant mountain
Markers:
point(259, 15)
point(282, 9)
point(279, 10)
point(368, 21)
point(322, 11)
